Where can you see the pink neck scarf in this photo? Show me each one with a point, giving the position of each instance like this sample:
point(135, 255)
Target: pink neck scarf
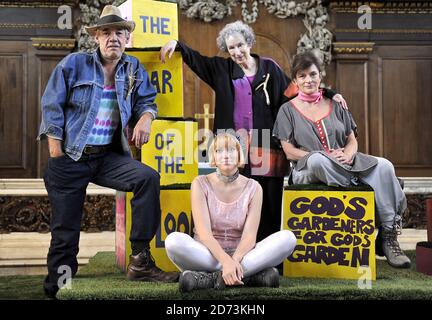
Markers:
point(314, 97)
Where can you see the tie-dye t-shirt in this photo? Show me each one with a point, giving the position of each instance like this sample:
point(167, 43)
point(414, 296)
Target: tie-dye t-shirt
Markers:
point(107, 118)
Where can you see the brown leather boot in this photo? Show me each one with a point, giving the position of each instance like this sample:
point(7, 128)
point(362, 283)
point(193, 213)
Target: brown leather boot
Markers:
point(142, 267)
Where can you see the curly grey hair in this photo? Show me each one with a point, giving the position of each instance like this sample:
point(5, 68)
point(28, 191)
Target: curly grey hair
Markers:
point(232, 28)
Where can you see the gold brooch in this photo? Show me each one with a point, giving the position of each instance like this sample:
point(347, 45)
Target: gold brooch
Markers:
point(132, 78)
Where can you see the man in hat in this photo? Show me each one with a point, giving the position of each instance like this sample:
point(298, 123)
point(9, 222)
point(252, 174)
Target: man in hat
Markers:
point(89, 102)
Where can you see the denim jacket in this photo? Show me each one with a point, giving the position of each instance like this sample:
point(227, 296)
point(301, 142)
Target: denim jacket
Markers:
point(71, 99)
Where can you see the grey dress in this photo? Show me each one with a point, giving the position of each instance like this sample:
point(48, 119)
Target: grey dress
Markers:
point(330, 132)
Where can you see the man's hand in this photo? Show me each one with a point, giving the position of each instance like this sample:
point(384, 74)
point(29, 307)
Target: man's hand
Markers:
point(141, 132)
point(338, 98)
point(168, 48)
point(55, 148)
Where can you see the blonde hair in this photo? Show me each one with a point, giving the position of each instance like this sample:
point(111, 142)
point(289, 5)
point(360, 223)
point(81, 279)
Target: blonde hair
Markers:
point(228, 138)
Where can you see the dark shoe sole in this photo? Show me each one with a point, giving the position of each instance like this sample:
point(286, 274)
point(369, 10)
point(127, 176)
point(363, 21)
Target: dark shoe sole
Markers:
point(50, 290)
point(219, 282)
point(182, 287)
point(50, 294)
point(149, 279)
point(379, 252)
point(144, 279)
point(406, 265)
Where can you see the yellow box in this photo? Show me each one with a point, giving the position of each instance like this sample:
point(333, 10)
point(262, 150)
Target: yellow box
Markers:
point(167, 79)
point(156, 22)
point(335, 233)
point(172, 151)
point(176, 216)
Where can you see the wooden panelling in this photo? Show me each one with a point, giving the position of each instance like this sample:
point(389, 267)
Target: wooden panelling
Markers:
point(45, 65)
point(398, 81)
point(407, 111)
point(401, 113)
point(390, 97)
point(352, 79)
point(24, 72)
point(388, 90)
point(13, 110)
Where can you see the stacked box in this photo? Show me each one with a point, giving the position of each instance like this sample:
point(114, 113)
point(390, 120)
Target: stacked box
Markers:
point(156, 22)
point(167, 79)
point(176, 216)
point(172, 152)
point(172, 149)
point(335, 230)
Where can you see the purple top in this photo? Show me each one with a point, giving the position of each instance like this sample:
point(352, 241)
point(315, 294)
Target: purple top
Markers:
point(243, 103)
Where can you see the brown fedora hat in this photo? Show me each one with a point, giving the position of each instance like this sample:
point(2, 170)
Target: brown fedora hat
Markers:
point(111, 17)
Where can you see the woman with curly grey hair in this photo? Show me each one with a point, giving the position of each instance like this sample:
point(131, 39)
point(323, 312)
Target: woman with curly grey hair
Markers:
point(233, 28)
point(249, 91)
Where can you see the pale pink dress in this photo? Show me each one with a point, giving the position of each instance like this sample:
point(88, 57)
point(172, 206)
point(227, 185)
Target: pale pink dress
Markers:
point(227, 219)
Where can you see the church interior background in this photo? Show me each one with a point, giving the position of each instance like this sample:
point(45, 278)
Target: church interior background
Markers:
point(384, 71)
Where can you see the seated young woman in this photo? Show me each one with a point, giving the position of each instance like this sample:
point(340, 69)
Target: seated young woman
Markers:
point(226, 208)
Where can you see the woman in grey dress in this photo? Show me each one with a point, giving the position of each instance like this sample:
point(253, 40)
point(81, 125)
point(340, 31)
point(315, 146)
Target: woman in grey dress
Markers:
point(319, 137)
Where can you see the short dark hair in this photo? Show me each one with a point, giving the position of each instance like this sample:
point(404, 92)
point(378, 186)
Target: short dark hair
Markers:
point(303, 61)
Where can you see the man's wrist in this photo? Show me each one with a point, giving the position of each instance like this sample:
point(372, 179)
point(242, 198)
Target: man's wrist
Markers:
point(236, 257)
point(56, 153)
point(147, 115)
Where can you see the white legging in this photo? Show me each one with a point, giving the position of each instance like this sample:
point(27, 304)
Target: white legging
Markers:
point(188, 254)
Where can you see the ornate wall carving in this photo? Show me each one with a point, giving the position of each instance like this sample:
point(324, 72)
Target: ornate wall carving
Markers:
point(317, 36)
point(315, 18)
point(415, 216)
point(32, 214)
point(398, 7)
point(52, 43)
point(353, 47)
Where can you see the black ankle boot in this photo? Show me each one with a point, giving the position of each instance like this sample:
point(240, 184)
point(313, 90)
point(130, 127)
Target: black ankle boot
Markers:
point(266, 278)
point(194, 280)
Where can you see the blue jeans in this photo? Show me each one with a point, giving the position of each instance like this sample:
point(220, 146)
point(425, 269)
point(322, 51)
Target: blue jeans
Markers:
point(66, 181)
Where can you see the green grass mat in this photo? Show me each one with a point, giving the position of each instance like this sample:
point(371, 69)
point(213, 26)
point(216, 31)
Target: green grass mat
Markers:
point(100, 279)
point(21, 288)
